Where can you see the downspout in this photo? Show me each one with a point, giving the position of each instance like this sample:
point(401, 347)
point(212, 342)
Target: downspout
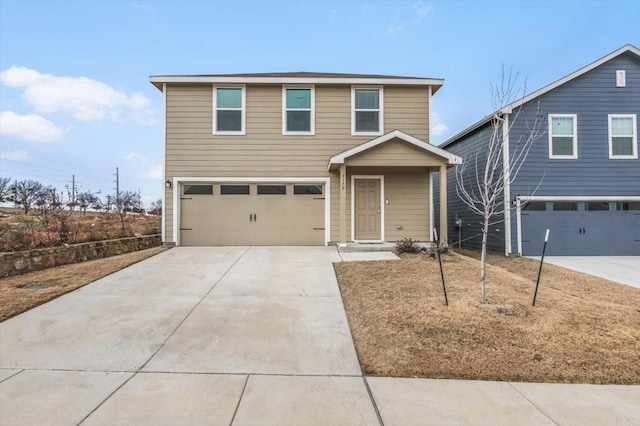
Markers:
point(507, 184)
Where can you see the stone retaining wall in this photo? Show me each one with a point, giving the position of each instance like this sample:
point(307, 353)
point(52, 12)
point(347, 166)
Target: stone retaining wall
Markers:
point(21, 262)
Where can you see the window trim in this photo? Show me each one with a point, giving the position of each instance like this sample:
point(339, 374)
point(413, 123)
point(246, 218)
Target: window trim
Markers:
point(243, 110)
point(380, 111)
point(575, 136)
point(634, 142)
point(312, 110)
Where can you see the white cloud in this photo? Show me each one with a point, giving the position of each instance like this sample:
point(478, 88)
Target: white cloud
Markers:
point(29, 127)
point(153, 172)
point(84, 98)
point(393, 29)
point(422, 11)
point(134, 156)
point(14, 155)
point(439, 129)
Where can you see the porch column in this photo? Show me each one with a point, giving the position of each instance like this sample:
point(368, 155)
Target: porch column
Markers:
point(343, 204)
point(443, 234)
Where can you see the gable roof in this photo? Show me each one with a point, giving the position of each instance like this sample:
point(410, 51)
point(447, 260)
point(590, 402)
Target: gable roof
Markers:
point(300, 77)
point(341, 157)
point(626, 49)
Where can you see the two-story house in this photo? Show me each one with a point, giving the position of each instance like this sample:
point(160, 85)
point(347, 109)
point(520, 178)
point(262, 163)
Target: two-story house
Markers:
point(581, 178)
point(299, 159)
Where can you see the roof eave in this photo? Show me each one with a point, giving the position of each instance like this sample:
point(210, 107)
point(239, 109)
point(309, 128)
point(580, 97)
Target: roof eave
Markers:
point(509, 108)
point(340, 158)
point(157, 81)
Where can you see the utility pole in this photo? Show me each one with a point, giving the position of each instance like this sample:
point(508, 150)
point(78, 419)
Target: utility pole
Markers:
point(117, 182)
point(73, 192)
point(139, 199)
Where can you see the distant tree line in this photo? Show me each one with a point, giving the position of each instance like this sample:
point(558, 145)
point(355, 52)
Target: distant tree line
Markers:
point(30, 194)
point(52, 217)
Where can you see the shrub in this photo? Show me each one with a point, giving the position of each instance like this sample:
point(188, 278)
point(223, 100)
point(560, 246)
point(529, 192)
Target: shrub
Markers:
point(407, 245)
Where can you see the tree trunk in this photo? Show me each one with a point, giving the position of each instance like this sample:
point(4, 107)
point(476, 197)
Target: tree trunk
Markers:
point(483, 259)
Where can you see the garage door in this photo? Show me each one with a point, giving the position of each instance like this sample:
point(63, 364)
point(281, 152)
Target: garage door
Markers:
point(583, 228)
point(252, 214)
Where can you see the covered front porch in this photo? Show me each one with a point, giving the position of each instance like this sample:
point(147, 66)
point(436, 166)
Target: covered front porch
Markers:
point(384, 191)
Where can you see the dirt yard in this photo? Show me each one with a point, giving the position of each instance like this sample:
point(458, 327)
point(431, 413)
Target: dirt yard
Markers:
point(583, 329)
point(23, 292)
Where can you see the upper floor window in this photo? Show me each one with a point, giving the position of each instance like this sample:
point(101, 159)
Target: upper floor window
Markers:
point(563, 136)
point(298, 115)
point(229, 114)
point(623, 138)
point(367, 112)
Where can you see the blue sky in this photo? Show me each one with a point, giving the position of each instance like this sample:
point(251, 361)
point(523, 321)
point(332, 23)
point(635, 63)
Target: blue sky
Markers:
point(75, 96)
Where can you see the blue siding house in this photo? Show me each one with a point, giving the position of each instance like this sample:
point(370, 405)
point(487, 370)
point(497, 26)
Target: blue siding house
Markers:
point(581, 178)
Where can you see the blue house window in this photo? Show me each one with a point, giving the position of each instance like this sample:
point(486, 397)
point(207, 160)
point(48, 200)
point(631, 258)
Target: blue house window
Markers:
point(623, 140)
point(563, 136)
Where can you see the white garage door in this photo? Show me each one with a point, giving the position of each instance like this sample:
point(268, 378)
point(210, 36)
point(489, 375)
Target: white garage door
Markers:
point(223, 214)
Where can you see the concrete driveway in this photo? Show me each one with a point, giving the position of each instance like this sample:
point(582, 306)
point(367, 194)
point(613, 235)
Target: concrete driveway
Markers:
point(264, 323)
point(242, 336)
point(621, 269)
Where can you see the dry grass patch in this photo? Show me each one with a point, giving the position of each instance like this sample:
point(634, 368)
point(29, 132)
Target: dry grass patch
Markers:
point(583, 329)
point(17, 297)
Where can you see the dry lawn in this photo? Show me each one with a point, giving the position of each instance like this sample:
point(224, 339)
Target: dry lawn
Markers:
point(583, 329)
point(51, 283)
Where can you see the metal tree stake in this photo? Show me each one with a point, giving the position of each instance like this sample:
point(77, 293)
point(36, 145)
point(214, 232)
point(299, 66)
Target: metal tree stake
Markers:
point(544, 247)
point(444, 288)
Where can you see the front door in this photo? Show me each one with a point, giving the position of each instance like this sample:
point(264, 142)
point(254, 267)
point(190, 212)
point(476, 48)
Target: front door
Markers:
point(367, 209)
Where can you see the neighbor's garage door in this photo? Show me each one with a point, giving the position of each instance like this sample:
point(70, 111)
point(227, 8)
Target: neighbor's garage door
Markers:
point(252, 214)
point(592, 228)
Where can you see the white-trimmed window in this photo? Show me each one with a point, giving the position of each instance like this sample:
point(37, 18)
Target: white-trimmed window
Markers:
point(229, 110)
point(298, 115)
point(367, 111)
point(623, 136)
point(563, 136)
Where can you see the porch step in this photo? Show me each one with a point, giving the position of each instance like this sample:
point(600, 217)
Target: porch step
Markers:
point(366, 247)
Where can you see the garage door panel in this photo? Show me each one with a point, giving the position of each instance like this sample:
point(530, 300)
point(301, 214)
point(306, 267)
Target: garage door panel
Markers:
point(581, 233)
point(255, 219)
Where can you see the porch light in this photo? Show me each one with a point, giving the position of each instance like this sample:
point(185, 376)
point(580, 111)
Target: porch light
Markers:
point(167, 183)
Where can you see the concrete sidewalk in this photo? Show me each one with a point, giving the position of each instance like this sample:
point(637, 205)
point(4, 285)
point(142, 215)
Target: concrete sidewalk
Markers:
point(242, 336)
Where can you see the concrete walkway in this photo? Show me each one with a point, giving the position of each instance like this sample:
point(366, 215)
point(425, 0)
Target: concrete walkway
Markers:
point(242, 336)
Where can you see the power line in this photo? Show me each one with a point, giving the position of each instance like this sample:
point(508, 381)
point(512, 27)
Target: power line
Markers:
point(61, 162)
point(56, 170)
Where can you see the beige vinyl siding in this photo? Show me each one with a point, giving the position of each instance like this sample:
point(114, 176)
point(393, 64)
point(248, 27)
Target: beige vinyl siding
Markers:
point(168, 212)
point(408, 196)
point(335, 207)
point(193, 150)
point(407, 109)
point(394, 153)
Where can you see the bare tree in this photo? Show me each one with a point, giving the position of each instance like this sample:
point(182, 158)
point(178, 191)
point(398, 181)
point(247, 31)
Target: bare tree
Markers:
point(124, 203)
point(5, 189)
point(26, 193)
point(156, 207)
point(482, 189)
point(86, 199)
